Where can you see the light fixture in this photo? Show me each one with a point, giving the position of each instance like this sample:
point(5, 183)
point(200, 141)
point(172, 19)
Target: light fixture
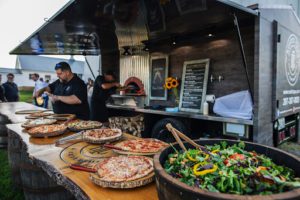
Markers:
point(126, 51)
point(210, 35)
point(146, 48)
point(174, 40)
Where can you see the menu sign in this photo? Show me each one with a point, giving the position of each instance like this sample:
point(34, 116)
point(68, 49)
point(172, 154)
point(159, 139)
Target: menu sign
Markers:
point(194, 79)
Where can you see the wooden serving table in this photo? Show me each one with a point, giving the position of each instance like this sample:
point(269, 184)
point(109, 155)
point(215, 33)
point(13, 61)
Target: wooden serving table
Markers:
point(8, 109)
point(43, 153)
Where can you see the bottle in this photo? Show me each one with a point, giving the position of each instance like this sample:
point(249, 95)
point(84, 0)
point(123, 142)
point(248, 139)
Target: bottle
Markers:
point(205, 108)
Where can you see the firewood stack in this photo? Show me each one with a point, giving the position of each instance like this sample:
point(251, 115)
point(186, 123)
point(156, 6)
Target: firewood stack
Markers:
point(132, 125)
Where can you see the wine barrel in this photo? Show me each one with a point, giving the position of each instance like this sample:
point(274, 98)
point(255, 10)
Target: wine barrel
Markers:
point(171, 188)
point(3, 136)
point(3, 131)
point(14, 157)
point(38, 185)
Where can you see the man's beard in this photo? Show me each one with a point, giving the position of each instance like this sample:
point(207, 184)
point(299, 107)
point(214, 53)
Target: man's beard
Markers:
point(63, 81)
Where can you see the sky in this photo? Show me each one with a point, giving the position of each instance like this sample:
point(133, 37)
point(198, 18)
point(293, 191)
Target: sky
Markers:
point(18, 20)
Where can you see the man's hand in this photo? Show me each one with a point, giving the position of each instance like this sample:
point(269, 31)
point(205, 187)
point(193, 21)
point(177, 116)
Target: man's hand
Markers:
point(117, 84)
point(53, 98)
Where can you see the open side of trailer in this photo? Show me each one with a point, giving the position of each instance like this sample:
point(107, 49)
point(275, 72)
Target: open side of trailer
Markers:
point(255, 50)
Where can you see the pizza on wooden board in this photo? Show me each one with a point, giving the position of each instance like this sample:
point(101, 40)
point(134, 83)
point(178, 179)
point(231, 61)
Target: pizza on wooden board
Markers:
point(39, 114)
point(82, 125)
point(143, 145)
point(104, 133)
point(38, 122)
point(124, 168)
point(47, 129)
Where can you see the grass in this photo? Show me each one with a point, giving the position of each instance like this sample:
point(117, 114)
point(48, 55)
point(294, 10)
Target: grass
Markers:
point(7, 192)
point(26, 96)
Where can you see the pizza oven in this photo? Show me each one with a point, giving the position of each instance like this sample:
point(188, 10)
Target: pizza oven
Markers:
point(134, 86)
point(133, 94)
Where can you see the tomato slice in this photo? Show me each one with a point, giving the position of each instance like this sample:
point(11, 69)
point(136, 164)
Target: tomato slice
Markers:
point(237, 156)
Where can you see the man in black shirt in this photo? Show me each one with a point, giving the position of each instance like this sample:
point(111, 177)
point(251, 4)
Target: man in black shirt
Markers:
point(11, 89)
point(2, 95)
point(68, 94)
point(104, 86)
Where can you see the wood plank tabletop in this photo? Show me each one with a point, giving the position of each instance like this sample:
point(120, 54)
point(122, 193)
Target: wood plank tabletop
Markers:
point(9, 108)
point(45, 154)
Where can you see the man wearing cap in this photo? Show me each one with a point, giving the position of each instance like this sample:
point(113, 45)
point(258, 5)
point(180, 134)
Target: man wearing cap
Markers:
point(68, 94)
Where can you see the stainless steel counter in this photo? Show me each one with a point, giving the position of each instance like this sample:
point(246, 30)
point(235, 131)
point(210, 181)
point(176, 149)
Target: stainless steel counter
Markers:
point(182, 114)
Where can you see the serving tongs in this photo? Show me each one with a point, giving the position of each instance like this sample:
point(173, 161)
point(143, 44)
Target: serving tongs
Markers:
point(77, 136)
point(177, 135)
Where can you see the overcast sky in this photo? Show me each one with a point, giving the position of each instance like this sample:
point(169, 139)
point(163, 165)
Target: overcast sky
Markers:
point(18, 20)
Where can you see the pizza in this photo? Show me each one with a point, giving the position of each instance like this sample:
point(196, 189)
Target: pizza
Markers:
point(104, 134)
point(39, 114)
point(124, 168)
point(143, 145)
point(61, 116)
point(83, 125)
point(47, 129)
point(38, 122)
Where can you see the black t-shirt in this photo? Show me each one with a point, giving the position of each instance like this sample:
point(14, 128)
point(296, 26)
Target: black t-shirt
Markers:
point(99, 93)
point(76, 87)
point(11, 91)
point(2, 95)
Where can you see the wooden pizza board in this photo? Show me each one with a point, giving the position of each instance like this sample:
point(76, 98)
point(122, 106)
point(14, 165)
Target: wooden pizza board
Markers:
point(46, 135)
point(134, 153)
point(25, 112)
point(122, 185)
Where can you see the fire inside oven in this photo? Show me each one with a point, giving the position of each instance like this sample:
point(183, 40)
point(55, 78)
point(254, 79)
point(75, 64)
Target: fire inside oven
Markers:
point(134, 86)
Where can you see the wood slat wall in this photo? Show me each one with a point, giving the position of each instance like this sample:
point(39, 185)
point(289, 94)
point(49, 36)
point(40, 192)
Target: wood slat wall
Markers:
point(225, 60)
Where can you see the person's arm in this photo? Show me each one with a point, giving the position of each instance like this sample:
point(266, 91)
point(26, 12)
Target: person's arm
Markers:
point(107, 86)
point(73, 99)
point(41, 91)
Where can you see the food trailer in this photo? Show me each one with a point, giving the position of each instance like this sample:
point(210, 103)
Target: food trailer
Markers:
point(212, 48)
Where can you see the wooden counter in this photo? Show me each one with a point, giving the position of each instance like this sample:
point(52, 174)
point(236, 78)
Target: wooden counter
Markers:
point(43, 153)
point(8, 109)
point(46, 155)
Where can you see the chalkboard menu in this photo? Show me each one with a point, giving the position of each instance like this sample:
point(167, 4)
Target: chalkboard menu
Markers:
point(194, 84)
point(158, 73)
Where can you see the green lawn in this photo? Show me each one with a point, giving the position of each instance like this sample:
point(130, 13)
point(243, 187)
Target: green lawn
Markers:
point(26, 96)
point(7, 192)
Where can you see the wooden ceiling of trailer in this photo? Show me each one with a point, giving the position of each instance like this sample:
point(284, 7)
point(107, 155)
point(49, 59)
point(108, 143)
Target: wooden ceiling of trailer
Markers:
point(94, 27)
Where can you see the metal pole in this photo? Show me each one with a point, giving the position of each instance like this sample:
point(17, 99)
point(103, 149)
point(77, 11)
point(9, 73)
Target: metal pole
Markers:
point(236, 24)
point(87, 62)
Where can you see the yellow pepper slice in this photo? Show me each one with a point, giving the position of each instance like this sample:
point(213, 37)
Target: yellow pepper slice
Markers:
point(194, 159)
point(215, 151)
point(203, 172)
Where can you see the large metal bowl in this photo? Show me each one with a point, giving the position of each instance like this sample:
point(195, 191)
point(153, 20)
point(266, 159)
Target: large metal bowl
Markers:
point(171, 188)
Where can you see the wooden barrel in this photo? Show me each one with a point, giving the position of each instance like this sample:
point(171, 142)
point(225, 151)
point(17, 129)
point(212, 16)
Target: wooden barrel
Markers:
point(36, 183)
point(171, 188)
point(14, 157)
point(3, 131)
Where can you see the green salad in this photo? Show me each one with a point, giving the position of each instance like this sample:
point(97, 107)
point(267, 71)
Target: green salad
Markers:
point(230, 169)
